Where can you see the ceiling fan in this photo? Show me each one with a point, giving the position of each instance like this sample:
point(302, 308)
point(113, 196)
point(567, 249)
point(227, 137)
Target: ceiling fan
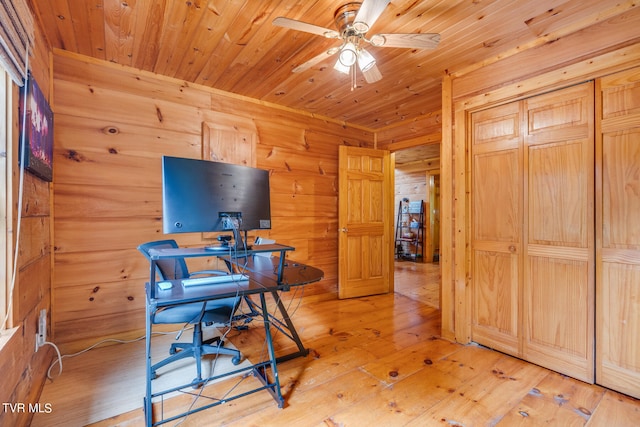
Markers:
point(353, 20)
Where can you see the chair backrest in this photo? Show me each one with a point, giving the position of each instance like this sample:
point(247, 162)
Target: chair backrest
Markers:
point(167, 269)
point(263, 241)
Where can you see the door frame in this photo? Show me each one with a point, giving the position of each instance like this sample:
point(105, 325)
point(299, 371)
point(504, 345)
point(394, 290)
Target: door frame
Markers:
point(430, 217)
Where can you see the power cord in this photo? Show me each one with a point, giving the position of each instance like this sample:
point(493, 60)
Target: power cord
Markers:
point(234, 252)
point(58, 361)
point(198, 395)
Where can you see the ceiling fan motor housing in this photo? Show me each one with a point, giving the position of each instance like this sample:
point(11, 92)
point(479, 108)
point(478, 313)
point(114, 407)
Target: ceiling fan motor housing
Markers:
point(344, 17)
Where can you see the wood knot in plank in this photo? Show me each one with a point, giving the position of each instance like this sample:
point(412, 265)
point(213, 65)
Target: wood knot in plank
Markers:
point(110, 130)
point(374, 331)
point(585, 411)
point(74, 155)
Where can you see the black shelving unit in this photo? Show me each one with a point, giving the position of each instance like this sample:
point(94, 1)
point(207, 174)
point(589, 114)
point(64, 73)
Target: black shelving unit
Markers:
point(410, 230)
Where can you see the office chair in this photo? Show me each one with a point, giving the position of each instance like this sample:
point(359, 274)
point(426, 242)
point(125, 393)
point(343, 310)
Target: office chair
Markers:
point(210, 312)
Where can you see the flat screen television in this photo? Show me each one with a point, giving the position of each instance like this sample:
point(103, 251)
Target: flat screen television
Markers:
point(205, 196)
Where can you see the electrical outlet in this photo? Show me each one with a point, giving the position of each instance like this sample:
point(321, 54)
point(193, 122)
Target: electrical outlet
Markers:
point(41, 336)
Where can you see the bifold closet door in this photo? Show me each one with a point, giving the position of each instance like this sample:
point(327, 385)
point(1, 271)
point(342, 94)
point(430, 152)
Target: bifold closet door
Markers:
point(496, 200)
point(559, 239)
point(533, 249)
point(618, 290)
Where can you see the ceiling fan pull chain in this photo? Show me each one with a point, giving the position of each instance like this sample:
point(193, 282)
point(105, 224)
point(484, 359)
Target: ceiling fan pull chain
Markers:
point(353, 77)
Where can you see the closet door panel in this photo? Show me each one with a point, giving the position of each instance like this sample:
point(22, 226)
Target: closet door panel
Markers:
point(557, 306)
point(618, 355)
point(618, 208)
point(621, 188)
point(559, 242)
point(497, 227)
point(558, 199)
point(497, 193)
point(495, 306)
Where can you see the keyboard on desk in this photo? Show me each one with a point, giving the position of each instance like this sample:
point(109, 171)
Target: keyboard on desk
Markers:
point(212, 280)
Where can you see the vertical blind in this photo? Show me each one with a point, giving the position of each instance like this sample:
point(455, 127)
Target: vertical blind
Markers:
point(16, 32)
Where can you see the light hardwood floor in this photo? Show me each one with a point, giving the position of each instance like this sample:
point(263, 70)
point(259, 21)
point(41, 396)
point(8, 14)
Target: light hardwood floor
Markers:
point(379, 361)
point(418, 281)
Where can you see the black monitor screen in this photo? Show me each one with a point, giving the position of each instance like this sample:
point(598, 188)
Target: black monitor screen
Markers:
point(201, 196)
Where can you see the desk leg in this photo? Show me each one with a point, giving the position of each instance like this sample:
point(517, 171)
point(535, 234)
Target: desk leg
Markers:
point(148, 407)
point(275, 391)
point(285, 326)
point(293, 334)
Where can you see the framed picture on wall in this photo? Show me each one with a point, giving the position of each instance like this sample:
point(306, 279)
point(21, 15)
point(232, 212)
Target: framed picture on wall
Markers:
point(38, 133)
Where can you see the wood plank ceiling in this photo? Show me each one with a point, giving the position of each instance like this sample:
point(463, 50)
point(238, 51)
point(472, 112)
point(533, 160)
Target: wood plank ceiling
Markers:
point(233, 46)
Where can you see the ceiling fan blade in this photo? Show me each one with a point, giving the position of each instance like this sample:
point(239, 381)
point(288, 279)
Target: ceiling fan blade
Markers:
point(372, 75)
point(315, 60)
point(412, 41)
point(307, 28)
point(369, 13)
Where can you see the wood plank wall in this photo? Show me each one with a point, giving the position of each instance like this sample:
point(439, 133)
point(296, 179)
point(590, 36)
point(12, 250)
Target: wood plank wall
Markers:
point(410, 184)
point(426, 129)
point(23, 369)
point(113, 124)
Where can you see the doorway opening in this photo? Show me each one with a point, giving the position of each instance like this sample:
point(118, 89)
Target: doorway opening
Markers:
point(417, 179)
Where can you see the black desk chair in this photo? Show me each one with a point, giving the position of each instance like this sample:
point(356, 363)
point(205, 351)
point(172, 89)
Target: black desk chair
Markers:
point(212, 312)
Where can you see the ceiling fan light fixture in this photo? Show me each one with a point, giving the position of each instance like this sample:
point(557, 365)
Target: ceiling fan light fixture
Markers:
point(378, 40)
point(341, 67)
point(365, 60)
point(348, 55)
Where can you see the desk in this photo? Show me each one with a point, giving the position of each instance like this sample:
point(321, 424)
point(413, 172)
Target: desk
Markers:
point(267, 275)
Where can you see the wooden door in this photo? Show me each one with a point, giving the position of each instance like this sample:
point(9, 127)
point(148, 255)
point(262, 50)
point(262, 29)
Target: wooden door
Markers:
point(533, 248)
point(559, 242)
point(497, 227)
point(365, 222)
point(618, 248)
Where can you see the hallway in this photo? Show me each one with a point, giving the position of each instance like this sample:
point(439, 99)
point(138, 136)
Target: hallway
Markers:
point(418, 281)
